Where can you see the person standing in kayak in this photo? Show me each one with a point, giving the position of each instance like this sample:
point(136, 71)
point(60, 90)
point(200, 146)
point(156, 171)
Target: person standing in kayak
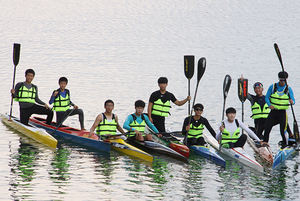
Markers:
point(278, 98)
point(136, 122)
point(27, 95)
point(107, 123)
point(159, 104)
point(194, 130)
point(62, 102)
point(229, 131)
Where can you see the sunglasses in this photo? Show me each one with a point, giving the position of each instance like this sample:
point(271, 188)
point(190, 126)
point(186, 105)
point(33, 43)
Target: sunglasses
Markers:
point(199, 109)
point(258, 85)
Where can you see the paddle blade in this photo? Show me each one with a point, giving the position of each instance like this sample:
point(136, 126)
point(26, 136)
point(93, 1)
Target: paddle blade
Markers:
point(242, 89)
point(278, 55)
point(296, 131)
point(201, 68)
point(16, 54)
point(189, 65)
point(226, 85)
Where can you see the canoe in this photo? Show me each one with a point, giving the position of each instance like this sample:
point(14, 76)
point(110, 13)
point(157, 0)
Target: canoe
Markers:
point(121, 146)
point(208, 153)
point(236, 153)
point(263, 152)
point(72, 134)
point(156, 147)
point(170, 141)
point(31, 131)
point(283, 154)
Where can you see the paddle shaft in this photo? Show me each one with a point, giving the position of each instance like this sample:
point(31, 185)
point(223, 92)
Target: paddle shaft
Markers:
point(295, 125)
point(63, 121)
point(16, 58)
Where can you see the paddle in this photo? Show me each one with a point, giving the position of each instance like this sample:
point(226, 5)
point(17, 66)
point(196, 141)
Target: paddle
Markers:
point(201, 70)
point(189, 63)
point(242, 92)
point(226, 86)
point(295, 125)
point(63, 121)
point(16, 58)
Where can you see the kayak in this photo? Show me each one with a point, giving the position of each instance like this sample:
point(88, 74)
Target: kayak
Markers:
point(283, 154)
point(72, 134)
point(237, 153)
point(156, 147)
point(121, 146)
point(31, 131)
point(264, 151)
point(208, 153)
point(170, 141)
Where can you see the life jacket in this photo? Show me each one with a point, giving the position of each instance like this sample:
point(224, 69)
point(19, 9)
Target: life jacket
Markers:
point(60, 103)
point(140, 127)
point(161, 109)
point(26, 95)
point(258, 112)
point(228, 137)
point(280, 102)
point(195, 132)
point(106, 127)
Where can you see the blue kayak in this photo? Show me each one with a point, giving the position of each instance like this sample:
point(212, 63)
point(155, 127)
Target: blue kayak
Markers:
point(208, 153)
point(285, 153)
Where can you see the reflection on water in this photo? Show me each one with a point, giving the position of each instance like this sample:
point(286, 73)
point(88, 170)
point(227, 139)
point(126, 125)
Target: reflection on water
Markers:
point(60, 165)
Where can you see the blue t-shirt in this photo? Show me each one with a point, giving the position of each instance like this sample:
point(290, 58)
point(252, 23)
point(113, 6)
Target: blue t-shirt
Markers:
point(139, 120)
point(280, 91)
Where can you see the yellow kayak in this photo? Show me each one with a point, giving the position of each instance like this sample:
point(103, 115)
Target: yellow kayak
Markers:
point(121, 146)
point(37, 134)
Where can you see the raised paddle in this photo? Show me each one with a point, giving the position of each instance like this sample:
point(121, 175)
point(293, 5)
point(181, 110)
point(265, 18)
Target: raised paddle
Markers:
point(16, 58)
point(201, 70)
point(295, 125)
point(226, 87)
point(189, 65)
point(242, 92)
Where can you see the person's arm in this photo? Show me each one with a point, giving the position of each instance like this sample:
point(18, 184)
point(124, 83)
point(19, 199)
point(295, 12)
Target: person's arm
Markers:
point(53, 96)
point(150, 104)
point(185, 126)
point(209, 128)
point(150, 125)
point(180, 103)
point(268, 94)
point(248, 130)
point(119, 128)
point(15, 91)
point(249, 97)
point(96, 123)
point(219, 133)
point(291, 95)
point(128, 121)
point(71, 103)
point(38, 100)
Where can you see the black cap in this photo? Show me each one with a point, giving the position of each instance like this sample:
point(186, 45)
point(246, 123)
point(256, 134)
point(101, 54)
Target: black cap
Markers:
point(162, 80)
point(139, 103)
point(283, 74)
point(198, 105)
point(230, 110)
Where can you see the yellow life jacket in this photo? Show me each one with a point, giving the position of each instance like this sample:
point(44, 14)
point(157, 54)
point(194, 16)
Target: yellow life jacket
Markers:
point(161, 109)
point(60, 103)
point(106, 127)
point(280, 102)
point(26, 95)
point(258, 112)
point(195, 132)
point(139, 127)
point(228, 137)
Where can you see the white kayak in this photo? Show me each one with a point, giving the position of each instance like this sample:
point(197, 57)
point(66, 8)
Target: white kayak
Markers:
point(237, 153)
point(35, 133)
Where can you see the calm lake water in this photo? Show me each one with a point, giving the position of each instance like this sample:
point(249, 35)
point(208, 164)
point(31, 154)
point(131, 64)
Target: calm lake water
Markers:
point(117, 50)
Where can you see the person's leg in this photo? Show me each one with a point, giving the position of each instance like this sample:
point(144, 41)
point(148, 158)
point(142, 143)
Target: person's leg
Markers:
point(269, 124)
point(191, 141)
point(283, 126)
point(37, 109)
point(25, 114)
point(80, 116)
point(260, 127)
point(200, 141)
point(241, 141)
point(59, 117)
point(159, 123)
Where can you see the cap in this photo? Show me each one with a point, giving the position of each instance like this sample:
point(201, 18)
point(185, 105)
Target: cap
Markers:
point(283, 74)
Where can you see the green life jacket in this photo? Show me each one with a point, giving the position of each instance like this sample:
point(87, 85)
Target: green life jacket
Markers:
point(258, 112)
point(106, 127)
point(139, 127)
point(195, 132)
point(280, 102)
point(26, 95)
point(161, 109)
point(228, 137)
point(60, 103)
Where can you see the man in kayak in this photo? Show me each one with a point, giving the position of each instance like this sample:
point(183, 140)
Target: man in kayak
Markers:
point(229, 134)
point(107, 123)
point(27, 95)
point(278, 98)
point(62, 102)
point(159, 104)
point(136, 122)
point(194, 129)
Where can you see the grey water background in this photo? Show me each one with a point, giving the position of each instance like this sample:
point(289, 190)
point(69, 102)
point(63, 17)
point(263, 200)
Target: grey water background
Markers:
point(117, 50)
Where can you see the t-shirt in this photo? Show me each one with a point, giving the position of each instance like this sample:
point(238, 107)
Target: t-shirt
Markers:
point(164, 97)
